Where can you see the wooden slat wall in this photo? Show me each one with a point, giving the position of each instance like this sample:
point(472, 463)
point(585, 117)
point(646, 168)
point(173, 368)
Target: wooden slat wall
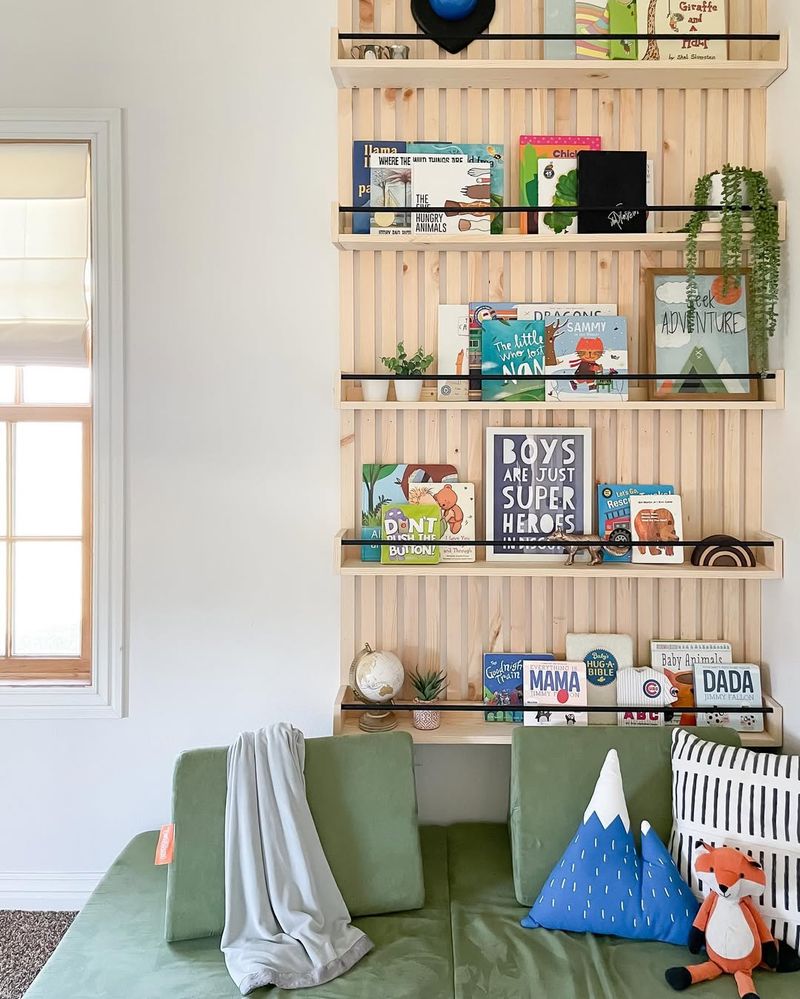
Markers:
point(712, 458)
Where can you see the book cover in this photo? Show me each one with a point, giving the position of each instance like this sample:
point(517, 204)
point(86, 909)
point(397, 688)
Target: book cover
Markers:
point(456, 503)
point(729, 686)
point(591, 21)
point(621, 19)
point(593, 351)
point(548, 685)
point(411, 527)
point(614, 514)
point(604, 656)
point(559, 19)
point(389, 193)
point(531, 149)
point(491, 155)
point(643, 690)
point(685, 21)
point(655, 523)
point(391, 484)
point(558, 186)
point(502, 684)
point(452, 351)
point(616, 184)
point(362, 154)
point(678, 660)
point(512, 347)
point(451, 182)
point(480, 312)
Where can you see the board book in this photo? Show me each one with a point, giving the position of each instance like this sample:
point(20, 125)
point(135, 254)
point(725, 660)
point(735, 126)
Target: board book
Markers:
point(456, 504)
point(643, 690)
point(532, 148)
point(413, 529)
point(605, 655)
point(729, 686)
point(656, 522)
point(502, 684)
point(549, 685)
point(614, 513)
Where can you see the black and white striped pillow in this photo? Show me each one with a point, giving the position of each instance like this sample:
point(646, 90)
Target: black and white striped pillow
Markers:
point(736, 797)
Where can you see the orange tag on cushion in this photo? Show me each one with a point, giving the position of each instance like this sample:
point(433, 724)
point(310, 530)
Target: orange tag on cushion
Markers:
point(166, 845)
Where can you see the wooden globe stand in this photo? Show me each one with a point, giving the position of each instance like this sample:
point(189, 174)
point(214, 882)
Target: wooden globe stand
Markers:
point(377, 721)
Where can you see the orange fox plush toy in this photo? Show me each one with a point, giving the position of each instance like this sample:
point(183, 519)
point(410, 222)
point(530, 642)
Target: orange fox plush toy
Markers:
point(729, 924)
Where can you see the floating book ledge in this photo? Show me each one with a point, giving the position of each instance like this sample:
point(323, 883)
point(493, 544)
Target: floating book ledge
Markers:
point(757, 376)
point(408, 36)
point(464, 706)
point(572, 209)
point(534, 541)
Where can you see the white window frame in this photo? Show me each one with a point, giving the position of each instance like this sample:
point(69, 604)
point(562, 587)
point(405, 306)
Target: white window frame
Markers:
point(105, 697)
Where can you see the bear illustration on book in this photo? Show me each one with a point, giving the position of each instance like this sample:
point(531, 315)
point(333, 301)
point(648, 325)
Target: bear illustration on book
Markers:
point(653, 526)
point(452, 514)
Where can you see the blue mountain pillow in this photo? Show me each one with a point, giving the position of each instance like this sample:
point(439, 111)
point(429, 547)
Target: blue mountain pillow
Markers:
point(602, 885)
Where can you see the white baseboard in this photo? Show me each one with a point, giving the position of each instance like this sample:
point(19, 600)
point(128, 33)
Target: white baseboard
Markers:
point(39, 891)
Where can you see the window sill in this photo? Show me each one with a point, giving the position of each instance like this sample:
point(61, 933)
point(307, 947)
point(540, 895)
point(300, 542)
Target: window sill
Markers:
point(53, 700)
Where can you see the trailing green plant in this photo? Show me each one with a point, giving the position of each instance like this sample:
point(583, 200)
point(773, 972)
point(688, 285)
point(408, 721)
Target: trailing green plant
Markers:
point(402, 364)
point(429, 686)
point(764, 250)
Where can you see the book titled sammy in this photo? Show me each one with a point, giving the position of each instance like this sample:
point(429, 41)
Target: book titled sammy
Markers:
point(656, 524)
point(452, 352)
point(554, 685)
point(511, 348)
point(456, 503)
point(413, 530)
point(502, 684)
point(614, 513)
point(589, 354)
point(730, 686)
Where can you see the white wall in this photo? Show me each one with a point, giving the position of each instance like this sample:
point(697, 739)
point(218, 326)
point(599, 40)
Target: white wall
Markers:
point(782, 430)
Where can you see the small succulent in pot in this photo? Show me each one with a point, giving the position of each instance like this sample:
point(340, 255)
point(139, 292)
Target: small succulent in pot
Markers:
point(408, 388)
point(428, 688)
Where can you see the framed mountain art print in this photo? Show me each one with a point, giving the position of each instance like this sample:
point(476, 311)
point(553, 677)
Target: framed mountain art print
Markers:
point(697, 366)
point(538, 480)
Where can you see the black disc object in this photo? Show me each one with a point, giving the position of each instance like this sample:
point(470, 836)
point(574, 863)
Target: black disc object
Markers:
point(438, 28)
point(723, 550)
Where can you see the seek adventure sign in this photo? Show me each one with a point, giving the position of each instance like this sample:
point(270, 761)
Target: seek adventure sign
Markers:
point(537, 481)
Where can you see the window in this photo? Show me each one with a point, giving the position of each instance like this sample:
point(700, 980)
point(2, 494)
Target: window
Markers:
point(61, 460)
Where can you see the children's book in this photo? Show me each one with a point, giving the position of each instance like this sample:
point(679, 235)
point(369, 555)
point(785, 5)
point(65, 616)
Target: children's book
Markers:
point(362, 154)
point(615, 184)
point(548, 685)
point(456, 503)
point(678, 661)
point(512, 347)
point(452, 351)
point(550, 311)
point(730, 686)
point(390, 193)
point(452, 184)
point(593, 352)
point(643, 690)
point(491, 155)
point(480, 312)
point(411, 527)
point(621, 19)
point(591, 22)
point(558, 186)
point(656, 521)
point(605, 656)
point(685, 21)
point(559, 19)
point(502, 684)
point(614, 514)
point(391, 484)
point(532, 148)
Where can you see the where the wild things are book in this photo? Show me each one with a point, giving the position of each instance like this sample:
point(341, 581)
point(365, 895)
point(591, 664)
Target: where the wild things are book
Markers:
point(362, 156)
point(414, 530)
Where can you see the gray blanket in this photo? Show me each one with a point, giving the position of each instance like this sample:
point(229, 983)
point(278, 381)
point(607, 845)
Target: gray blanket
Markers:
point(286, 923)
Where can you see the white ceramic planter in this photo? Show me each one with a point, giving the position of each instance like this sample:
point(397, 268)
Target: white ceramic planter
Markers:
point(717, 196)
point(408, 390)
point(375, 391)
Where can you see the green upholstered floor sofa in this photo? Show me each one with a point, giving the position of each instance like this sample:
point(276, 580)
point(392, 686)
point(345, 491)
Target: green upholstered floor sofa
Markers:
point(444, 904)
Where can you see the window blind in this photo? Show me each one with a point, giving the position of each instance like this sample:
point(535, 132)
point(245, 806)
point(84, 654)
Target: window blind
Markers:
point(44, 253)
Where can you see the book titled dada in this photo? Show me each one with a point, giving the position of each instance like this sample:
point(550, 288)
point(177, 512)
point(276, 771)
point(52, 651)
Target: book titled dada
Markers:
point(725, 687)
point(614, 183)
point(557, 690)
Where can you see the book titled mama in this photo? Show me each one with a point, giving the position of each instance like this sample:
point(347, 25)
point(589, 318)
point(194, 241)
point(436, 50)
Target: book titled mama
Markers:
point(558, 690)
point(411, 527)
point(502, 684)
point(731, 686)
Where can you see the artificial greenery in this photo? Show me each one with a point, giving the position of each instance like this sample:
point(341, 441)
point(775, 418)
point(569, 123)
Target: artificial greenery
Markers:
point(402, 364)
point(566, 195)
point(765, 252)
point(429, 686)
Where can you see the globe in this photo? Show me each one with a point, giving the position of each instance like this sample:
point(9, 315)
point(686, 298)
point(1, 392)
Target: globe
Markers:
point(376, 678)
point(453, 10)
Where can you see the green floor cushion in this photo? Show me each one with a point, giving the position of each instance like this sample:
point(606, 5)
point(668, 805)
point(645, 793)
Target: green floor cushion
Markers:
point(553, 772)
point(495, 958)
point(362, 796)
point(115, 949)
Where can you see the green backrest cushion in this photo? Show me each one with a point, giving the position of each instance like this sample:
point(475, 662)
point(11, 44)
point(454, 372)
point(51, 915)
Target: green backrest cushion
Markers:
point(361, 793)
point(553, 773)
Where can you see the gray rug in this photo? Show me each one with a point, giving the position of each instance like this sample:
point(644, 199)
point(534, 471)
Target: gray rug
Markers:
point(27, 939)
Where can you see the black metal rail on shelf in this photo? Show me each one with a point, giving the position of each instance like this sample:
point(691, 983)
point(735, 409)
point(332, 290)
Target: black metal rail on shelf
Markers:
point(537, 541)
point(545, 36)
point(555, 709)
point(575, 209)
point(476, 376)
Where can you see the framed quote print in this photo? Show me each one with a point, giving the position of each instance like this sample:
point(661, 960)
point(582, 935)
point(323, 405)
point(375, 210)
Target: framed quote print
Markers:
point(698, 365)
point(538, 480)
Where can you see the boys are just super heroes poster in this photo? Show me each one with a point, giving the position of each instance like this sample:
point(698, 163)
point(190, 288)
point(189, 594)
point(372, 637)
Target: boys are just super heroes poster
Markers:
point(538, 481)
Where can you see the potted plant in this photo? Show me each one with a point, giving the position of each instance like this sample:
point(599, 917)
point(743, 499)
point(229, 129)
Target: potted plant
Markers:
point(374, 389)
point(407, 388)
point(737, 186)
point(428, 687)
